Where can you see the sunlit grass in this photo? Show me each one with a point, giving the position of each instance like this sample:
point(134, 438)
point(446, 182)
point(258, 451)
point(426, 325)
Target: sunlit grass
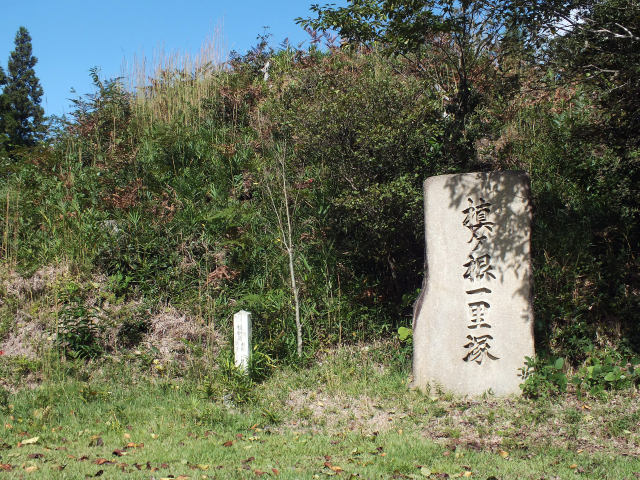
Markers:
point(350, 415)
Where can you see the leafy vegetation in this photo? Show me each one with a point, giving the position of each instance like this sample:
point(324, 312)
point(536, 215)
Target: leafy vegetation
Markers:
point(288, 182)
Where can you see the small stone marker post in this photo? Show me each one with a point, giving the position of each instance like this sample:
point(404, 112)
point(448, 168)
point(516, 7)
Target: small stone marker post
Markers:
point(242, 339)
point(473, 322)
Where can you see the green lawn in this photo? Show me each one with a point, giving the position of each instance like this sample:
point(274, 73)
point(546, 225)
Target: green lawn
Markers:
point(350, 415)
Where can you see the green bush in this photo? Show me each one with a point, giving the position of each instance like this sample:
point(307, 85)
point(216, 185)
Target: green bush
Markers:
point(606, 370)
point(542, 378)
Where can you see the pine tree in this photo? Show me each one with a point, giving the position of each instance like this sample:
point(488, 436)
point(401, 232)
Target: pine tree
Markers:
point(21, 116)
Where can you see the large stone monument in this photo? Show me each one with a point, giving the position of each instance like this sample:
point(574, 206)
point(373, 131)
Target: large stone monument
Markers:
point(473, 322)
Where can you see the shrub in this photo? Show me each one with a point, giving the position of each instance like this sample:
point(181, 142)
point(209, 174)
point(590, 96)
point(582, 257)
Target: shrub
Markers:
point(543, 378)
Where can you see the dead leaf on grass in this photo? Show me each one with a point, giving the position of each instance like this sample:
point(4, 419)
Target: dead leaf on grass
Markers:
point(28, 441)
point(335, 468)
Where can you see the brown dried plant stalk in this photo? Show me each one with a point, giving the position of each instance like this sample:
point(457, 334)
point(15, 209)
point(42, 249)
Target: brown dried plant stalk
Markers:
point(173, 85)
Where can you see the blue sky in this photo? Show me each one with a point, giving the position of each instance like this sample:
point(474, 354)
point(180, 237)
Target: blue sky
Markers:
point(71, 36)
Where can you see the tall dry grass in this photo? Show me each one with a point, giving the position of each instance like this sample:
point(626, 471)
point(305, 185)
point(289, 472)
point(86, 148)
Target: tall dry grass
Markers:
point(10, 223)
point(174, 86)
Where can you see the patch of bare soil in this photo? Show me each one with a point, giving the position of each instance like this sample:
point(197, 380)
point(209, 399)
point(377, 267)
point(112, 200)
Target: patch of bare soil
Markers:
point(28, 288)
point(318, 411)
point(25, 341)
point(170, 328)
point(29, 333)
point(487, 424)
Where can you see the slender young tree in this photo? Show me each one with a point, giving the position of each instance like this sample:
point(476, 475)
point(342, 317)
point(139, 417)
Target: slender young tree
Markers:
point(3, 135)
point(21, 116)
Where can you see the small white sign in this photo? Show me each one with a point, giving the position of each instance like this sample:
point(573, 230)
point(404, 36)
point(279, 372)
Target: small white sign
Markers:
point(242, 338)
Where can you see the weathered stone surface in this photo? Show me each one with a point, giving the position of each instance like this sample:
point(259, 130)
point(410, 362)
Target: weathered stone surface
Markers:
point(473, 323)
point(242, 338)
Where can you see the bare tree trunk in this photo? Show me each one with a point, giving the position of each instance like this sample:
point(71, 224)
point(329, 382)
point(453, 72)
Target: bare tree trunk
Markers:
point(287, 240)
point(290, 252)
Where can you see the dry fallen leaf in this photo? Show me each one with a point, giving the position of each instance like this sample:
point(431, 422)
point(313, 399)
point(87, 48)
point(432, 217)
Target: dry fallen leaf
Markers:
point(29, 441)
point(31, 469)
point(335, 468)
point(503, 453)
point(227, 444)
point(573, 465)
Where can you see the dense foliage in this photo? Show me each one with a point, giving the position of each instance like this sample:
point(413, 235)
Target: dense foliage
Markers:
point(208, 189)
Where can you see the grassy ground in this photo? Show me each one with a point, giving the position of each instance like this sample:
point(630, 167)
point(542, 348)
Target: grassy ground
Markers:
point(350, 415)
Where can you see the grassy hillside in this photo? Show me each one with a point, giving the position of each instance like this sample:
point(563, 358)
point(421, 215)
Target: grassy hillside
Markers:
point(168, 205)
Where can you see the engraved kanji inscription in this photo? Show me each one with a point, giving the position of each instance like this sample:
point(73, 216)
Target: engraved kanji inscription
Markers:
point(479, 312)
point(478, 347)
point(476, 220)
point(478, 267)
